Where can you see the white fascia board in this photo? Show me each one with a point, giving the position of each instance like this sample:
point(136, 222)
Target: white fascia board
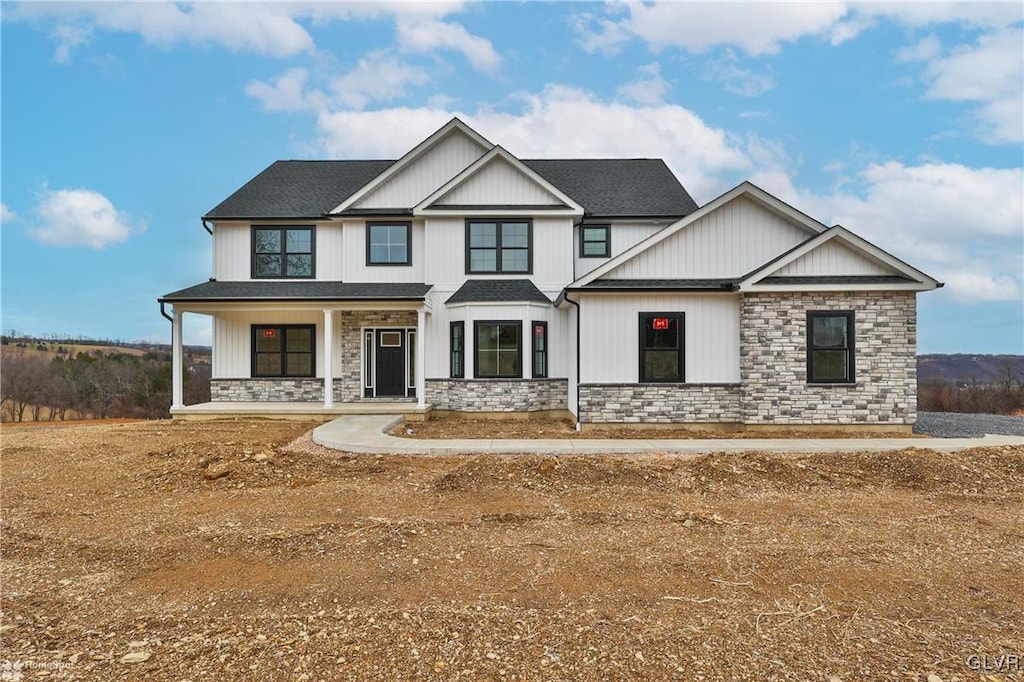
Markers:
point(745, 188)
point(311, 305)
point(412, 155)
point(476, 166)
point(881, 286)
point(851, 239)
point(490, 212)
point(498, 304)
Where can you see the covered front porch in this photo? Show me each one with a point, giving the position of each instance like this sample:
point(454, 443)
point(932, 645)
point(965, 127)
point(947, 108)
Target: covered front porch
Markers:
point(338, 349)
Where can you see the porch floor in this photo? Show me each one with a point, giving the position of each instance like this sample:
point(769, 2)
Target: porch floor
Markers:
point(289, 410)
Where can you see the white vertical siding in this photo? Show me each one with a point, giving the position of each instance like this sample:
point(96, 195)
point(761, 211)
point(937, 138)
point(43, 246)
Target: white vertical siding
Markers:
point(610, 335)
point(353, 256)
point(329, 252)
point(498, 183)
point(834, 258)
point(232, 252)
point(623, 236)
point(728, 242)
point(232, 355)
point(433, 168)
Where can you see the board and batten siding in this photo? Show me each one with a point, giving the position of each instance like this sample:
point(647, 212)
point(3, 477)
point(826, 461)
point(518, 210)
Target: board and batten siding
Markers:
point(731, 241)
point(352, 255)
point(232, 250)
point(232, 333)
point(834, 258)
point(496, 184)
point(610, 335)
point(623, 236)
point(436, 166)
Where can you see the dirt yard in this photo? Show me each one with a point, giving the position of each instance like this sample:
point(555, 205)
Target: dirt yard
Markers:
point(193, 551)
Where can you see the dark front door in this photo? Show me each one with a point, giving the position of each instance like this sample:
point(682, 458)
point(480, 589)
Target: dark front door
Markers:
point(390, 362)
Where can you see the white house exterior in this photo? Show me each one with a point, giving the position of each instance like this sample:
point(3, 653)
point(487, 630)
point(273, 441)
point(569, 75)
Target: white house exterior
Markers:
point(461, 278)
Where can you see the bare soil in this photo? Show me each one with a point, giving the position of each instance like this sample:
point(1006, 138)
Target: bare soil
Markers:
point(462, 427)
point(238, 550)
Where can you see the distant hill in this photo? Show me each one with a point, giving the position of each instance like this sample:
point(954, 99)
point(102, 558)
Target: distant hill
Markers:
point(964, 369)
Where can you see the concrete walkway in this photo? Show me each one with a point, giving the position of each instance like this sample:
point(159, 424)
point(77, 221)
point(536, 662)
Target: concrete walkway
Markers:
point(365, 434)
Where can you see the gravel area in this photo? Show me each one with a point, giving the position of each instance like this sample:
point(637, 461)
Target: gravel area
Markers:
point(956, 425)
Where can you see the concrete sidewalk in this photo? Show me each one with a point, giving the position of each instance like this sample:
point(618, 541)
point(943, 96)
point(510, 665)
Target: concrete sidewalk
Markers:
point(365, 434)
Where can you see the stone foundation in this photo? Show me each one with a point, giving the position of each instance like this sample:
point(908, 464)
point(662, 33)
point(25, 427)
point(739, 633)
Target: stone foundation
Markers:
point(309, 390)
point(773, 360)
point(659, 403)
point(498, 395)
point(348, 386)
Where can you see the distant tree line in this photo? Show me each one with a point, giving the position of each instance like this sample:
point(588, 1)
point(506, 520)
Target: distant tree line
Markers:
point(93, 385)
point(1005, 396)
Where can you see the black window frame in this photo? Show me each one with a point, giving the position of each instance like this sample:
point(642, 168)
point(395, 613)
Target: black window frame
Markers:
point(607, 241)
point(518, 324)
point(499, 223)
point(680, 317)
point(408, 242)
point(257, 329)
point(536, 354)
point(461, 352)
point(850, 348)
point(284, 252)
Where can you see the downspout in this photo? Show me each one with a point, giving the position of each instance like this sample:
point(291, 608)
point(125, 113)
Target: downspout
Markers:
point(579, 412)
point(164, 312)
point(206, 227)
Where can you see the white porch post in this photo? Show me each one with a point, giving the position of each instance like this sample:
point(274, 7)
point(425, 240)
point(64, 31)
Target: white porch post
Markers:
point(421, 373)
point(177, 360)
point(328, 358)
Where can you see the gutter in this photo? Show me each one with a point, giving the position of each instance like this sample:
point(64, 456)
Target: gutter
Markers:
point(564, 296)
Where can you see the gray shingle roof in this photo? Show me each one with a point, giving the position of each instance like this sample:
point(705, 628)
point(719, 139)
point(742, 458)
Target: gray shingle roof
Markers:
point(604, 187)
point(618, 187)
point(664, 284)
point(299, 291)
point(837, 279)
point(298, 189)
point(498, 290)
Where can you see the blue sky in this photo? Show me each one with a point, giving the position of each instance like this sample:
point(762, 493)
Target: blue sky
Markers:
point(122, 123)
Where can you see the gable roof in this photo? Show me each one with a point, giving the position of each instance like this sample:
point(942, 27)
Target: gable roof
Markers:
point(297, 189)
point(498, 291)
point(498, 155)
point(744, 189)
point(901, 272)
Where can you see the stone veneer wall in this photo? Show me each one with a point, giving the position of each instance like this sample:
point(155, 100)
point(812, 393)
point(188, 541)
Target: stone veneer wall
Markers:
point(659, 403)
point(498, 395)
point(773, 360)
point(267, 390)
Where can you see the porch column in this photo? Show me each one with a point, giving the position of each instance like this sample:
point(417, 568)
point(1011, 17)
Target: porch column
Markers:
point(421, 373)
point(328, 358)
point(177, 360)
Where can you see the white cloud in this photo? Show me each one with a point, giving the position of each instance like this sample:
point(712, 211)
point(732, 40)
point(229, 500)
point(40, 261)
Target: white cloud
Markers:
point(286, 93)
point(418, 34)
point(736, 79)
point(377, 77)
point(990, 73)
point(924, 50)
point(6, 214)
point(647, 88)
point(81, 217)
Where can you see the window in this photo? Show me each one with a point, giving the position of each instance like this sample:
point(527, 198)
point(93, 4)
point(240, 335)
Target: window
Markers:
point(282, 252)
point(540, 350)
point(498, 350)
point(498, 246)
point(661, 347)
point(411, 364)
point(457, 344)
point(595, 241)
point(830, 347)
point(388, 243)
point(283, 350)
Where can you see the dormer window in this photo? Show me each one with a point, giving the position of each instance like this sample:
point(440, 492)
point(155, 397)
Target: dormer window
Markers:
point(499, 246)
point(282, 252)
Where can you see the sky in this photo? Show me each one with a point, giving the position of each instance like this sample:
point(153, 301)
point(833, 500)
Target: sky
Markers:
point(122, 123)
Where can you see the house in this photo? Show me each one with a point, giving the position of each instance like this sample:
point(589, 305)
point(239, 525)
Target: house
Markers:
point(461, 278)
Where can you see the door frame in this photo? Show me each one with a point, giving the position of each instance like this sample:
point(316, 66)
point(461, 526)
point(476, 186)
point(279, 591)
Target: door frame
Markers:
point(368, 359)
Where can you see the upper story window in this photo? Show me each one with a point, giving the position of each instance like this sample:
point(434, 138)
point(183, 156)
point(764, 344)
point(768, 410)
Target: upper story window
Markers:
point(282, 252)
point(661, 347)
point(499, 246)
point(595, 241)
point(830, 347)
point(389, 243)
